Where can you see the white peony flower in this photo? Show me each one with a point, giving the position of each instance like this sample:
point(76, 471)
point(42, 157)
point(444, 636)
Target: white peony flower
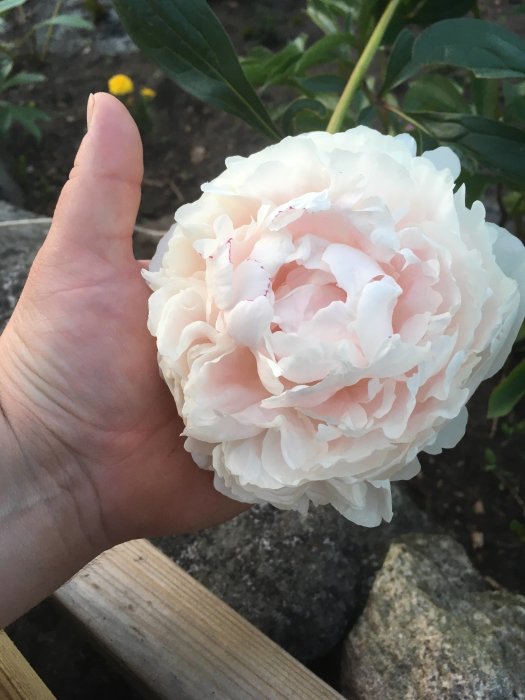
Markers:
point(323, 313)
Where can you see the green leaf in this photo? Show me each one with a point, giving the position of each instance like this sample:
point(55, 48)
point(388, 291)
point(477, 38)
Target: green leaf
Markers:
point(418, 12)
point(429, 11)
point(72, 21)
point(253, 64)
point(26, 115)
point(487, 49)
point(434, 93)
point(23, 79)
point(367, 116)
point(6, 5)
point(486, 96)
point(5, 118)
point(327, 14)
point(325, 50)
point(499, 146)
point(315, 111)
point(514, 202)
point(518, 529)
point(508, 392)
point(185, 38)
point(399, 66)
point(514, 95)
point(263, 68)
point(366, 17)
point(320, 84)
point(6, 66)
point(476, 184)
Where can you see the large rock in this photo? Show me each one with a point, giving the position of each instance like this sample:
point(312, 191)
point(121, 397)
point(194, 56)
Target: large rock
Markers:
point(301, 580)
point(432, 630)
point(18, 246)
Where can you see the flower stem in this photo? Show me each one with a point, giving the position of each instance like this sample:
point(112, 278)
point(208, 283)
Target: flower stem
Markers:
point(49, 34)
point(406, 118)
point(361, 67)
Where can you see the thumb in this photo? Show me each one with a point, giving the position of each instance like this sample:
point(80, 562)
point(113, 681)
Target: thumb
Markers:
point(95, 214)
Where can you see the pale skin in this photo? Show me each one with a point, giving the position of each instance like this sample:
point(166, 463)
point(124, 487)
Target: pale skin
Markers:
point(91, 453)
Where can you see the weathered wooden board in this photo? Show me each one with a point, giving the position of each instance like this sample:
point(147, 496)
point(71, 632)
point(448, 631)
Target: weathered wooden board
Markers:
point(177, 638)
point(18, 681)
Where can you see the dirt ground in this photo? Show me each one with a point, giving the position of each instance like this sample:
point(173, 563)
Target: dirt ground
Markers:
point(476, 491)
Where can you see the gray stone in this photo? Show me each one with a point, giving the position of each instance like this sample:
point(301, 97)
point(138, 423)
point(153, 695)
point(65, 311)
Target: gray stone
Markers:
point(433, 630)
point(18, 247)
point(302, 580)
point(9, 188)
point(108, 38)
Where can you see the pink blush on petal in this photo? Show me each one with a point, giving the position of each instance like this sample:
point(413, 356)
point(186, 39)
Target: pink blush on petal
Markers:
point(302, 303)
point(233, 382)
point(322, 297)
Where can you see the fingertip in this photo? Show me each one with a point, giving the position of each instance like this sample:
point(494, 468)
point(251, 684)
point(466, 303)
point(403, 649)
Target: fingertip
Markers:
point(112, 146)
point(98, 206)
point(89, 109)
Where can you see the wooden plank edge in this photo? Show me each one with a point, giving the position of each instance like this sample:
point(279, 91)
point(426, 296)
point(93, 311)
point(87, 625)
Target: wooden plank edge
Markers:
point(18, 680)
point(177, 638)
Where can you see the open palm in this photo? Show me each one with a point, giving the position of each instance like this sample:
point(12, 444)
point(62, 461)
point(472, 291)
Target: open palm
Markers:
point(82, 365)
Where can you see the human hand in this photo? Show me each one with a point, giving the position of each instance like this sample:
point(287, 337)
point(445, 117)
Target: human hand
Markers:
point(84, 405)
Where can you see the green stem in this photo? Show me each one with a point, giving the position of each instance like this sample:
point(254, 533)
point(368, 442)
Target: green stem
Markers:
point(406, 118)
point(49, 34)
point(361, 67)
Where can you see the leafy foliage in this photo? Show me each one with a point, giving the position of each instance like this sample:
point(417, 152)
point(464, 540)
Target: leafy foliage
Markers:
point(6, 5)
point(71, 21)
point(507, 394)
point(41, 31)
point(187, 41)
point(486, 49)
point(489, 142)
point(455, 82)
point(27, 116)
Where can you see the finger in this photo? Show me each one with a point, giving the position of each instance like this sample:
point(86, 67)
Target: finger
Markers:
point(96, 211)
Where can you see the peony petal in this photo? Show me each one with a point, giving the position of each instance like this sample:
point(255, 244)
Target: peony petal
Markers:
point(374, 315)
point(288, 212)
point(323, 313)
point(444, 158)
point(351, 268)
point(408, 471)
point(248, 321)
point(250, 280)
point(219, 276)
point(450, 434)
point(364, 503)
point(271, 251)
point(510, 255)
point(298, 445)
point(162, 248)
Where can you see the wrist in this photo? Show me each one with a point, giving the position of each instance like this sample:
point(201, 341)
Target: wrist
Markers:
point(49, 520)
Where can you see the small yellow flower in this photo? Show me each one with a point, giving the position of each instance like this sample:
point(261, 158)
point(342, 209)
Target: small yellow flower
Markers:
point(120, 84)
point(148, 93)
